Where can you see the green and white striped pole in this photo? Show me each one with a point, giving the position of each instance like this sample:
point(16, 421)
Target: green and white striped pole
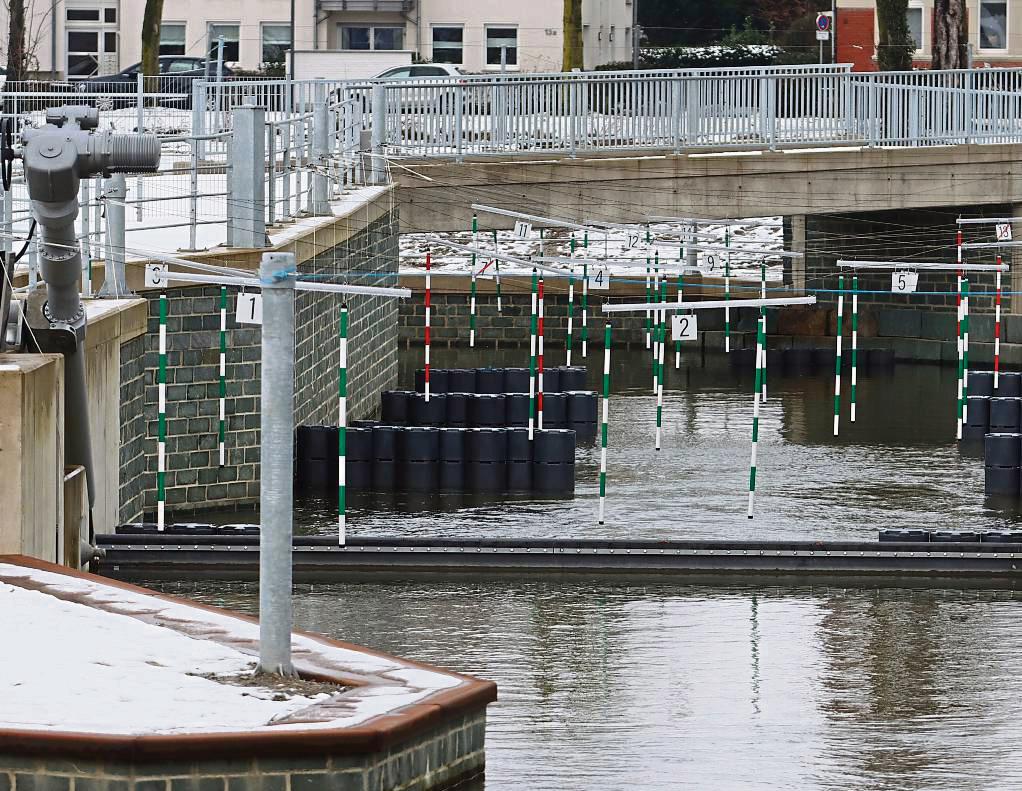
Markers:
point(760, 341)
point(571, 304)
point(472, 311)
point(661, 343)
point(963, 364)
point(837, 359)
point(585, 300)
point(855, 342)
point(763, 318)
point(603, 424)
point(532, 356)
point(222, 428)
point(496, 264)
point(655, 326)
point(161, 437)
point(681, 292)
point(342, 426)
point(649, 298)
point(727, 289)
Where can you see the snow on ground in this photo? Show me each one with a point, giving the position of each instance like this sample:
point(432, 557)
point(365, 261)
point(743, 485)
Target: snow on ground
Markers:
point(104, 663)
point(611, 244)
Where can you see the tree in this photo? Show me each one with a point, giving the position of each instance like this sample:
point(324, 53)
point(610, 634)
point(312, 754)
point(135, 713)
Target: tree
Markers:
point(895, 46)
point(17, 54)
point(950, 35)
point(151, 21)
point(572, 35)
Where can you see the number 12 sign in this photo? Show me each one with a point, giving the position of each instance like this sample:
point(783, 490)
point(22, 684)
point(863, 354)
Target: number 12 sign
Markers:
point(684, 328)
point(904, 282)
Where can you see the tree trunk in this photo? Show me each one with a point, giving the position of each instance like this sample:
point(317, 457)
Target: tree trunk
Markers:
point(572, 35)
point(894, 47)
point(17, 59)
point(950, 35)
point(151, 37)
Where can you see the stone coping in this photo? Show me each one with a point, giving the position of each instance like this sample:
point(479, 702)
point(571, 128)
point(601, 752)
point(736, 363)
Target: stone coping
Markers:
point(424, 696)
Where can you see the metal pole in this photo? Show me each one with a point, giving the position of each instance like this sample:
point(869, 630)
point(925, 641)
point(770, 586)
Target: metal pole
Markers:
point(114, 284)
point(635, 34)
point(321, 153)
point(277, 273)
point(379, 134)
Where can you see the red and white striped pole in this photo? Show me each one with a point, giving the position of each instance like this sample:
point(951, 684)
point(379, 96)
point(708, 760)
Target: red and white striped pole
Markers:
point(539, 361)
point(426, 338)
point(997, 324)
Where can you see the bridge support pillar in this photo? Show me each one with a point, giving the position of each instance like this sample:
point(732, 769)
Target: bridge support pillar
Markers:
point(795, 240)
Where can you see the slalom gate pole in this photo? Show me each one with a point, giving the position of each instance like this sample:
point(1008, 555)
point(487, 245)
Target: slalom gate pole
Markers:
point(532, 357)
point(342, 426)
point(837, 359)
point(603, 422)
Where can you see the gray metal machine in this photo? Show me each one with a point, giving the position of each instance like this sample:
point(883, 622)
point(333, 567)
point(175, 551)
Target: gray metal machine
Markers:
point(55, 157)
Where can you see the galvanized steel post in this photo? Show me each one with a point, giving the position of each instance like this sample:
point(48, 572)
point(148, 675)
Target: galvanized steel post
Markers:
point(247, 206)
point(378, 168)
point(114, 283)
point(321, 153)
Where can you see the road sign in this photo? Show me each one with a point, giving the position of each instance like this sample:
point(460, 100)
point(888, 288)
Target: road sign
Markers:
point(823, 23)
point(823, 35)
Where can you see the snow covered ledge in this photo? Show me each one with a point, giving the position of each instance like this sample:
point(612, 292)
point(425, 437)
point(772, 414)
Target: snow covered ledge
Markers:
point(119, 687)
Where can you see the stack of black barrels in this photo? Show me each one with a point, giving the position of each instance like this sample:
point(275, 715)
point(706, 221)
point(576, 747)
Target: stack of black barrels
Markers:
point(430, 458)
point(994, 415)
point(494, 398)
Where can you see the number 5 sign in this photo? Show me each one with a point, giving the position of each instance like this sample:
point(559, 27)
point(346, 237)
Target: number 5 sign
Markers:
point(904, 282)
point(684, 328)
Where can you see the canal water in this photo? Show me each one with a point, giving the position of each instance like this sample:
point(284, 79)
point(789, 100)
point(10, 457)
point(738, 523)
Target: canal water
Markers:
point(613, 683)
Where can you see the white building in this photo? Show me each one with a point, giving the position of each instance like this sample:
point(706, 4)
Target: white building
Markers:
point(79, 38)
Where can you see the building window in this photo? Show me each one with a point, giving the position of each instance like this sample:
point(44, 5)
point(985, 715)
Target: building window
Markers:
point(365, 37)
point(914, 19)
point(172, 38)
point(276, 41)
point(110, 43)
point(229, 30)
point(82, 14)
point(498, 38)
point(448, 44)
point(110, 16)
point(993, 24)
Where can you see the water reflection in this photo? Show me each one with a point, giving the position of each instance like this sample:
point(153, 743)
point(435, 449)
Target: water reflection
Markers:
point(660, 686)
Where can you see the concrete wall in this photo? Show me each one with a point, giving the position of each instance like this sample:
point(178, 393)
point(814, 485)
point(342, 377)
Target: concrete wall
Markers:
point(366, 255)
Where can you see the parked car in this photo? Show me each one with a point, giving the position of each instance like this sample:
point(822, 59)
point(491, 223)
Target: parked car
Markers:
point(418, 71)
point(177, 73)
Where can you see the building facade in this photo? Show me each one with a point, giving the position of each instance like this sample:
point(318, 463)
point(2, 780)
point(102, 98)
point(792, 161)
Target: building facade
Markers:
point(83, 38)
point(995, 32)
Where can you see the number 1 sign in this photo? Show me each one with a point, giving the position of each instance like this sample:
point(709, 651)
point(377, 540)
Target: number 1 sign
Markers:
point(250, 309)
point(684, 328)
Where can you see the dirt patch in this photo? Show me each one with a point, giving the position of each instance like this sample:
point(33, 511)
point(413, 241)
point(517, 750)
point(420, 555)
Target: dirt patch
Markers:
point(284, 687)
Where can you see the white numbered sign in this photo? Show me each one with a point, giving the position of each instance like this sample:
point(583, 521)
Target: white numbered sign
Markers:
point(710, 262)
point(1004, 232)
point(904, 282)
point(599, 280)
point(488, 273)
point(684, 328)
point(522, 229)
point(633, 238)
point(250, 309)
point(155, 275)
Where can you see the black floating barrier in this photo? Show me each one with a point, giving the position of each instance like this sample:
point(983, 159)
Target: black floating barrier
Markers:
point(385, 458)
point(554, 446)
point(1005, 414)
point(428, 413)
point(490, 380)
point(555, 410)
point(517, 409)
point(954, 536)
point(977, 425)
point(365, 423)
point(981, 383)
point(1009, 384)
point(486, 450)
point(1002, 450)
point(519, 460)
point(451, 472)
point(516, 380)
point(461, 380)
point(583, 406)
point(551, 380)
point(358, 460)
point(487, 410)
point(1002, 537)
point(572, 377)
point(457, 409)
point(316, 442)
point(904, 535)
point(394, 406)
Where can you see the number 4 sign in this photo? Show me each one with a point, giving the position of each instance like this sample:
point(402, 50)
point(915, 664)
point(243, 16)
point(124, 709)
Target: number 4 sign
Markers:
point(599, 280)
point(904, 282)
point(684, 328)
point(1004, 232)
point(250, 309)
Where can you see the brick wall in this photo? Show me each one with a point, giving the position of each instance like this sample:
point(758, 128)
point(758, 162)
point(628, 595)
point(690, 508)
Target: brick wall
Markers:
point(195, 481)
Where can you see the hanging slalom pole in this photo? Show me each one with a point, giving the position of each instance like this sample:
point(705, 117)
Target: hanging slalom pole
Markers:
point(222, 427)
point(760, 341)
point(539, 360)
point(965, 351)
point(571, 315)
point(648, 314)
point(342, 426)
point(603, 421)
point(762, 316)
point(661, 343)
point(855, 341)
point(496, 263)
point(997, 325)
point(161, 437)
point(681, 294)
point(837, 359)
point(426, 336)
point(727, 289)
point(958, 327)
point(585, 300)
point(472, 311)
point(532, 357)
point(655, 325)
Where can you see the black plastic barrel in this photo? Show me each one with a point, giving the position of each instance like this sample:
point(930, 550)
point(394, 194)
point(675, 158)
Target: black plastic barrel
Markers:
point(582, 414)
point(904, 535)
point(394, 406)
point(1001, 480)
point(1009, 384)
point(554, 446)
point(438, 380)
point(385, 457)
point(490, 380)
point(555, 410)
point(420, 456)
point(451, 468)
point(358, 459)
point(516, 380)
point(981, 383)
point(572, 377)
point(461, 380)
point(1005, 414)
point(516, 409)
point(365, 423)
point(978, 423)
point(1002, 450)
point(316, 457)
point(487, 410)
point(420, 380)
point(519, 460)
point(457, 409)
point(551, 380)
point(486, 451)
point(428, 413)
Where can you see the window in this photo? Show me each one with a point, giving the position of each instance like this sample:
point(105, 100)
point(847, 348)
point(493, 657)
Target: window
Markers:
point(402, 73)
point(914, 20)
point(182, 65)
point(231, 48)
point(429, 71)
point(82, 41)
point(448, 44)
point(498, 38)
point(110, 16)
point(276, 41)
point(109, 43)
point(82, 15)
point(172, 38)
point(364, 37)
point(993, 24)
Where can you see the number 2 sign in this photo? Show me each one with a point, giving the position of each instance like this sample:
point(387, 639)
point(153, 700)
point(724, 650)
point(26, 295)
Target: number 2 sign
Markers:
point(684, 328)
